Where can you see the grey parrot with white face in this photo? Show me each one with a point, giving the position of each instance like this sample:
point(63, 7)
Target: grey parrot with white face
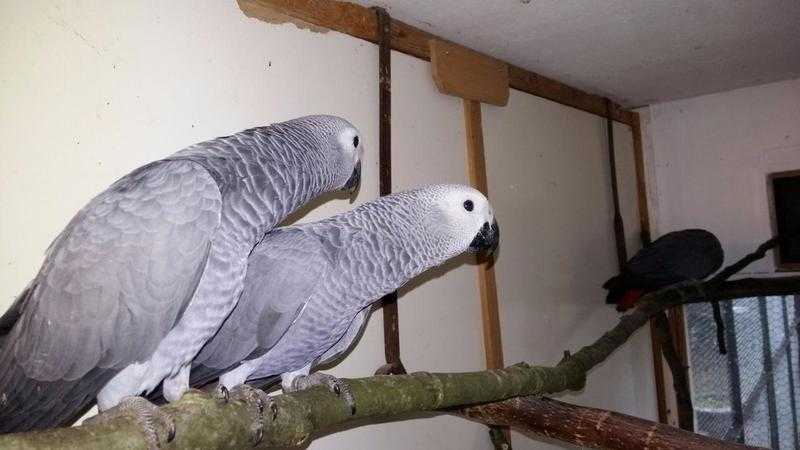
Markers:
point(145, 274)
point(309, 288)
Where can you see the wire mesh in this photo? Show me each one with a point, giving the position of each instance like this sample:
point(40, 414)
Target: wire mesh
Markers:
point(751, 394)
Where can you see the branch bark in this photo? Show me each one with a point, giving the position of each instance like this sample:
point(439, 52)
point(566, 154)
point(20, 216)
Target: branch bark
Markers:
point(590, 427)
point(202, 422)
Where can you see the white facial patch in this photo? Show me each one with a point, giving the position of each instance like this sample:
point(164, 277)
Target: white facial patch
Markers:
point(465, 210)
point(351, 142)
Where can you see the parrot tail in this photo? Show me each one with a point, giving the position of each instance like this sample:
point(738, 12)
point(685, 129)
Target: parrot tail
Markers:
point(27, 404)
point(629, 299)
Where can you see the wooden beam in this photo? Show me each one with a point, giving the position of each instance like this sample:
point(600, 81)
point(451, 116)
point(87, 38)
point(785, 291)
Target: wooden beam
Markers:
point(590, 427)
point(644, 226)
point(476, 167)
point(344, 17)
point(391, 318)
point(360, 22)
point(464, 73)
point(487, 285)
point(641, 183)
point(619, 225)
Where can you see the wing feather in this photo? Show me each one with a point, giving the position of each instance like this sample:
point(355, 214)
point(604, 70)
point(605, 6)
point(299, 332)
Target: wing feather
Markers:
point(283, 271)
point(117, 278)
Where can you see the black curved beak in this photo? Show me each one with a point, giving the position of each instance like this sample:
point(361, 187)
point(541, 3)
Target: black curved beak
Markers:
point(353, 183)
point(487, 239)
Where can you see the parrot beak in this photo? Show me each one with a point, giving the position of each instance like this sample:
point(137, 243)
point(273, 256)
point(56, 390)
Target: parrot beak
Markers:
point(487, 239)
point(354, 183)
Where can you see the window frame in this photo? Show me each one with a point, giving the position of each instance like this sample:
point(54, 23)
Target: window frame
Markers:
point(780, 265)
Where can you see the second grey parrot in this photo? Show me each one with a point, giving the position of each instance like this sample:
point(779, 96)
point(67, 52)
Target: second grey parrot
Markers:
point(309, 288)
point(147, 272)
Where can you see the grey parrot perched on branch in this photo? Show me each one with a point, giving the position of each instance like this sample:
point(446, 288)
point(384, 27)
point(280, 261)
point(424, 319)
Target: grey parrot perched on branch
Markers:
point(309, 288)
point(691, 254)
point(147, 272)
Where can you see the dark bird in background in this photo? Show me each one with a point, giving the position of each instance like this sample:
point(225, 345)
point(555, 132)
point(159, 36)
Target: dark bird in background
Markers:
point(681, 255)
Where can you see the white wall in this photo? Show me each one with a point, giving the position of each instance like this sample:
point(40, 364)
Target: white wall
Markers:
point(91, 90)
point(709, 157)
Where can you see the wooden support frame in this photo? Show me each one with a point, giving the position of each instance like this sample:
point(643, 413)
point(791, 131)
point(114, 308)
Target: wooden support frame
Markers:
point(476, 167)
point(391, 317)
point(474, 78)
point(360, 22)
point(619, 225)
point(676, 319)
point(469, 75)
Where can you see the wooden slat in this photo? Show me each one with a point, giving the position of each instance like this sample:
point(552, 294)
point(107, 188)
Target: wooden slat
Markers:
point(641, 184)
point(391, 318)
point(359, 22)
point(644, 225)
point(476, 166)
point(619, 225)
point(343, 17)
point(467, 74)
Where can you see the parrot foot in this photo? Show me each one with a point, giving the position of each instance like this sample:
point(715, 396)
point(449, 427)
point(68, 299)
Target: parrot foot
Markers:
point(337, 386)
point(154, 422)
point(257, 402)
point(680, 289)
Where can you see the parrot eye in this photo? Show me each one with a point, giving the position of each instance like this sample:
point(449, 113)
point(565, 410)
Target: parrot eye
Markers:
point(355, 141)
point(468, 205)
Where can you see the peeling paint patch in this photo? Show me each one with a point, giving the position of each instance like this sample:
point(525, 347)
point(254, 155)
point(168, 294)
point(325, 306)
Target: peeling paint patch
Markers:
point(255, 10)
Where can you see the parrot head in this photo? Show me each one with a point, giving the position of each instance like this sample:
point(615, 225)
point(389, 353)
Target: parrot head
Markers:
point(335, 146)
point(347, 149)
point(463, 220)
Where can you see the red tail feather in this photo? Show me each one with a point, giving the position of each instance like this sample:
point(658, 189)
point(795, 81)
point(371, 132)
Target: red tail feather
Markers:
point(629, 299)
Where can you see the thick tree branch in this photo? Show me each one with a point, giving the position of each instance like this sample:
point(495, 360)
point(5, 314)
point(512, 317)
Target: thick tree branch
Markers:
point(202, 422)
point(590, 427)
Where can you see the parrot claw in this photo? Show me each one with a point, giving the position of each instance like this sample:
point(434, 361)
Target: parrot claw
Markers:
point(335, 385)
point(257, 401)
point(222, 394)
point(153, 421)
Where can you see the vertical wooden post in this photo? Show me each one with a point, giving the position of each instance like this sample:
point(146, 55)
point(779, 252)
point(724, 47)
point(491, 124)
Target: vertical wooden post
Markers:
point(619, 226)
point(391, 319)
point(644, 225)
point(476, 167)
point(477, 78)
point(492, 340)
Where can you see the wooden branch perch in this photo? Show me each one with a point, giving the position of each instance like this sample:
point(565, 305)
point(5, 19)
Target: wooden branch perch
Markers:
point(590, 427)
point(202, 422)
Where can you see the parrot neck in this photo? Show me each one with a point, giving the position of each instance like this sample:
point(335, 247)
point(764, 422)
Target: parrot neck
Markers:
point(397, 225)
point(262, 180)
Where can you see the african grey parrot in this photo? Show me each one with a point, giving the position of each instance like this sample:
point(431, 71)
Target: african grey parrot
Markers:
point(147, 272)
point(691, 254)
point(309, 288)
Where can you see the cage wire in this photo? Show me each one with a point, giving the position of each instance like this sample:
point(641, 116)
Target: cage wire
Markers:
point(751, 394)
